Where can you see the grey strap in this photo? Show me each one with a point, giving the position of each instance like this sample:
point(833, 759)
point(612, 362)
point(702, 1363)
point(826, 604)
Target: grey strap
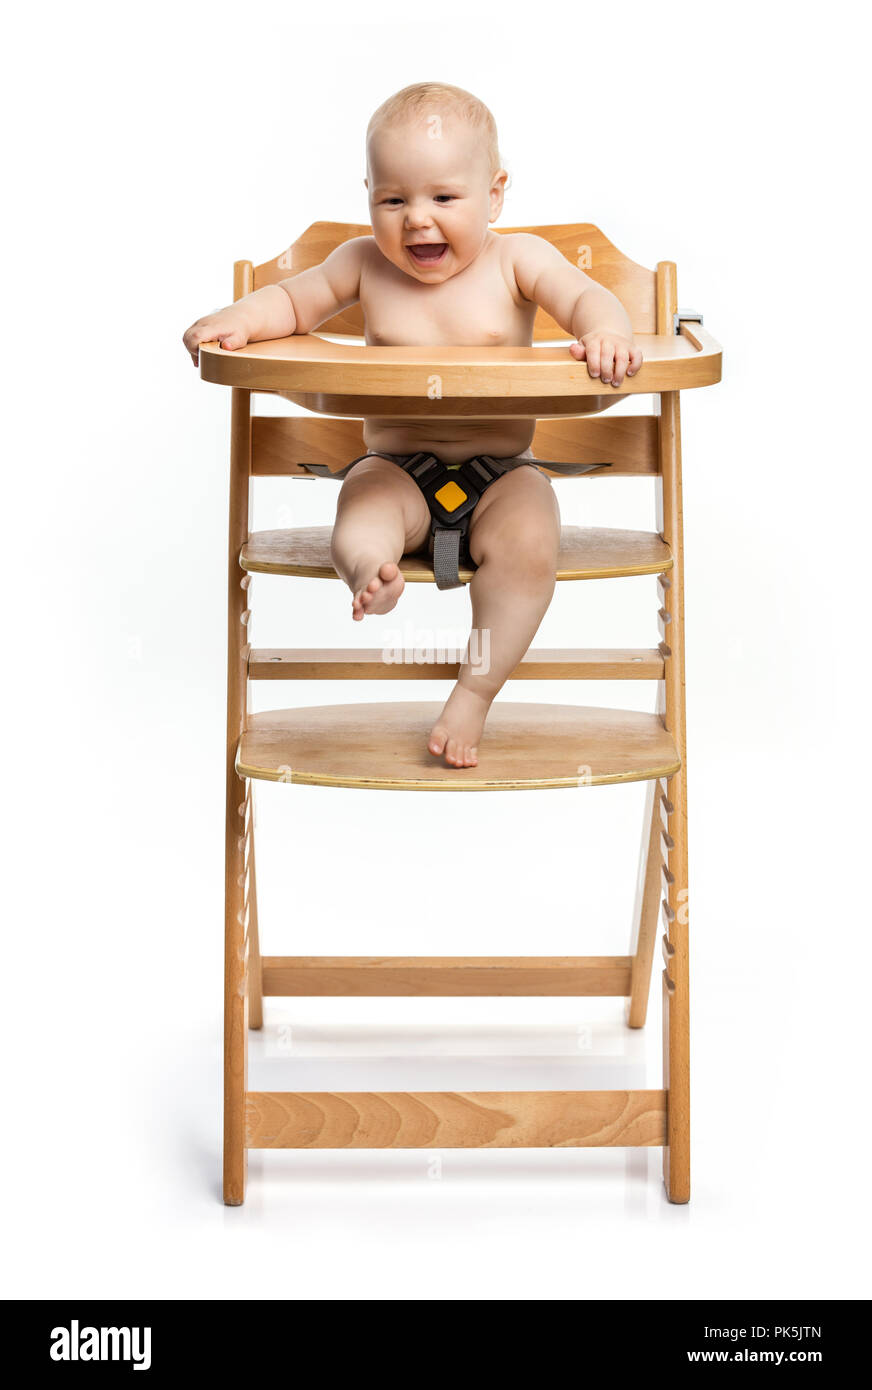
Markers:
point(571, 469)
point(324, 472)
point(446, 557)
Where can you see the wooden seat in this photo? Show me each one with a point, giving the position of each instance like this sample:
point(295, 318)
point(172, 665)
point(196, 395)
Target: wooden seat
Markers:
point(526, 746)
point(592, 552)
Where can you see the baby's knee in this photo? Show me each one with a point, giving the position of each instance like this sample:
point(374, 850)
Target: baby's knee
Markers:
point(378, 478)
point(374, 466)
point(525, 542)
point(534, 555)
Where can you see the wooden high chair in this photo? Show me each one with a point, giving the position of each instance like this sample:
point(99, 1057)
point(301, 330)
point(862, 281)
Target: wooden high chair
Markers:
point(525, 746)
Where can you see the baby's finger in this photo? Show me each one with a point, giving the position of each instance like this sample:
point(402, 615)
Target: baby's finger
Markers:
point(234, 339)
point(635, 361)
point(622, 357)
point(198, 333)
point(578, 351)
point(607, 360)
point(190, 342)
point(593, 359)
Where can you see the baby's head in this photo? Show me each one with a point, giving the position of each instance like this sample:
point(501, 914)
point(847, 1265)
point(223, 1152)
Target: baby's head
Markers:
point(435, 176)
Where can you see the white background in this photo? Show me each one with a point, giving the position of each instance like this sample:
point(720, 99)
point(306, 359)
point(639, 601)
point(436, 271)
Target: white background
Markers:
point(149, 149)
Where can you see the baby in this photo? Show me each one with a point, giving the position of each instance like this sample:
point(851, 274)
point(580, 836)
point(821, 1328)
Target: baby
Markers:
point(434, 273)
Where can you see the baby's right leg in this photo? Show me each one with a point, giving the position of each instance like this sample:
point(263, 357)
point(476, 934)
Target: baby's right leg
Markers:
point(380, 516)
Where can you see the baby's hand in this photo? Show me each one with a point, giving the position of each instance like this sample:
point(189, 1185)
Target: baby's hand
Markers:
point(608, 356)
point(226, 327)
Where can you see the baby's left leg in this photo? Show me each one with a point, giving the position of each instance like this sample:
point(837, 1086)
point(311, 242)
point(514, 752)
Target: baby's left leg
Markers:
point(514, 539)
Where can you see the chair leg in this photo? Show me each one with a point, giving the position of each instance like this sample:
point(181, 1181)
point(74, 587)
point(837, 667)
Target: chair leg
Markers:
point(235, 990)
point(238, 812)
point(255, 972)
point(645, 916)
point(676, 998)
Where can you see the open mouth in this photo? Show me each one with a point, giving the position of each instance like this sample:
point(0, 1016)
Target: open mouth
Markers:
point(428, 252)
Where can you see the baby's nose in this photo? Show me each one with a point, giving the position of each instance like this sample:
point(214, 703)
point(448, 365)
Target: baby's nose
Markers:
point(417, 216)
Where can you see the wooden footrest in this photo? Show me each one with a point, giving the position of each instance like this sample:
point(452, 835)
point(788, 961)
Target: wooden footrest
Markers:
point(454, 1119)
point(447, 976)
point(437, 663)
point(524, 746)
point(586, 552)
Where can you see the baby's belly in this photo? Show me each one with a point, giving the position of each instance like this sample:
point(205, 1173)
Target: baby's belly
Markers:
point(451, 440)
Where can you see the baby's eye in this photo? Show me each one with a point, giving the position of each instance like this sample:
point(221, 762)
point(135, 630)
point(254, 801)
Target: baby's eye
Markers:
point(447, 197)
point(392, 200)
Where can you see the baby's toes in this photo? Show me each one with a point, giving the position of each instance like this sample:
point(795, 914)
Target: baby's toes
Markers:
point(391, 578)
point(438, 740)
point(454, 753)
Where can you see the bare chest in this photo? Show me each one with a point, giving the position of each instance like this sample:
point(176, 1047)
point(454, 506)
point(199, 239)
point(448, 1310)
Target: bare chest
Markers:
point(472, 309)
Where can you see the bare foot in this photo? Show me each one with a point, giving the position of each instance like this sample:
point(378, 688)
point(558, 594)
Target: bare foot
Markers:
point(459, 727)
point(380, 594)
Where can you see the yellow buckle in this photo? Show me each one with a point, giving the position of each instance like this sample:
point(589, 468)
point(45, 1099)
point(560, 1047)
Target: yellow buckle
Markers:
point(450, 496)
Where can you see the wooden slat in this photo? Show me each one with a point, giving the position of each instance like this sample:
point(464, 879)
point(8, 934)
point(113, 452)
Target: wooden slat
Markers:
point(627, 442)
point(447, 976)
point(454, 1119)
point(282, 445)
point(581, 243)
point(586, 552)
point(525, 746)
point(378, 663)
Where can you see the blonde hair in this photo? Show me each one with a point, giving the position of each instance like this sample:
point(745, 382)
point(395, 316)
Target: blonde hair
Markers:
point(429, 98)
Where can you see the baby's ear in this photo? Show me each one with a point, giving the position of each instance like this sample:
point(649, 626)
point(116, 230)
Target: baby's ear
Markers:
point(503, 180)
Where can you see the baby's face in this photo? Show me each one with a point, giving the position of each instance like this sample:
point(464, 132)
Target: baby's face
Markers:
point(428, 182)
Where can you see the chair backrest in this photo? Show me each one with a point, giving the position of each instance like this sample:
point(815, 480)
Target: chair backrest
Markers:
point(580, 242)
point(281, 445)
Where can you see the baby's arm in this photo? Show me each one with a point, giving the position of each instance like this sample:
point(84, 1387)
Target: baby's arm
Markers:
point(592, 314)
point(296, 305)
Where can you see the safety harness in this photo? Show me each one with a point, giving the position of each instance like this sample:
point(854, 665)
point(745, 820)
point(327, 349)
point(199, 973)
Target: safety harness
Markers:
point(452, 492)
